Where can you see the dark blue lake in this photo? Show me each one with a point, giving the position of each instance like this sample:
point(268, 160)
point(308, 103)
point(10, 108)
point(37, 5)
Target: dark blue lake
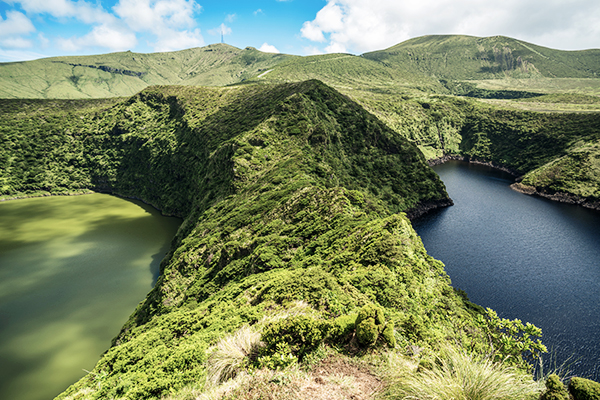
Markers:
point(525, 257)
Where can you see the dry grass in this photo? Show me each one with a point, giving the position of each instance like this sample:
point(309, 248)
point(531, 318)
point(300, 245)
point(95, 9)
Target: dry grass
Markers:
point(459, 376)
point(334, 378)
point(232, 354)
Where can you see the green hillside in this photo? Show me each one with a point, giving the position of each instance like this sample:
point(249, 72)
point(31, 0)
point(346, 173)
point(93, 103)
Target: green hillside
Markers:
point(124, 74)
point(347, 72)
point(456, 57)
point(431, 64)
point(293, 235)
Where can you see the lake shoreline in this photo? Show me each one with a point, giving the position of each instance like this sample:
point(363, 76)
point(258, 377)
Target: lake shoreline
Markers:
point(522, 256)
point(23, 196)
point(560, 197)
point(517, 186)
point(86, 192)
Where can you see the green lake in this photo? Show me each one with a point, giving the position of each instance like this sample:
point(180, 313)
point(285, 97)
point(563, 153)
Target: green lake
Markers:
point(72, 270)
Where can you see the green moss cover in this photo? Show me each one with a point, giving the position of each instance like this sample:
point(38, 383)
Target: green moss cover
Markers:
point(555, 389)
point(584, 389)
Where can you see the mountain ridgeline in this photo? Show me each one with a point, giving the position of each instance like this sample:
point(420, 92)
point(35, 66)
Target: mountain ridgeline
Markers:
point(428, 63)
point(167, 145)
point(126, 73)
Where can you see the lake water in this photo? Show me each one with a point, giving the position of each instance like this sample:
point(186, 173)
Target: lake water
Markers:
point(525, 257)
point(72, 270)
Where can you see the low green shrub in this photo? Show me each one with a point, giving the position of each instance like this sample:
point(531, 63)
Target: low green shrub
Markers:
point(388, 335)
point(367, 332)
point(371, 327)
point(555, 389)
point(290, 340)
point(341, 329)
point(584, 389)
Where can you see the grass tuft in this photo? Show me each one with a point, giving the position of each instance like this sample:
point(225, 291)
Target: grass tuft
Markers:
point(232, 354)
point(460, 376)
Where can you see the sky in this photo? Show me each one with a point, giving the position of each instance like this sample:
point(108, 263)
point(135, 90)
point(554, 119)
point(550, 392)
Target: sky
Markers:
point(32, 29)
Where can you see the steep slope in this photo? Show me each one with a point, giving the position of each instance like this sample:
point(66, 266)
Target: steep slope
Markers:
point(290, 195)
point(456, 57)
point(154, 125)
point(124, 74)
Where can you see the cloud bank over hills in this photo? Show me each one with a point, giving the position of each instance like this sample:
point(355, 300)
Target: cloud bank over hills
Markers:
point(364, 25)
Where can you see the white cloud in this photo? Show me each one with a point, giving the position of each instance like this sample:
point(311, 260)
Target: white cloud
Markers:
point(106, 30)
point(43, 40)
point(172, 22)
point(329, 19)
point(167, 24)
point(16, 43)
point(259, 11)
point(100, 36)
point(179, 40)
point(267, 48)
point(13, 28)
point(18, 55)
point(366, 25)
point(108, 37)
point(81, 10)
point(312, 51)
point(157, 16)
point(230, 18)
point(15, 24)
point(336, 47)
point(221, 29)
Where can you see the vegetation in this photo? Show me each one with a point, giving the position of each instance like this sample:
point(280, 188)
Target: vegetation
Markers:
point(126, 73)
point(434, 64)
point(291, 193)
point(555, 389)
point(584, 389)
point(461, 57)
point(296, 251)
point(457, 375)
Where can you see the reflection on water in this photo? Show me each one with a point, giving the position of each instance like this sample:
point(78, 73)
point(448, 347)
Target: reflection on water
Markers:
point(525, 257)
point(72, 269)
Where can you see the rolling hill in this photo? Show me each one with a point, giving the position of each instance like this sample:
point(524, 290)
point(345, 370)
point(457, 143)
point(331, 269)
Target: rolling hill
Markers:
point(293, 198)
point(126, 73)
point(429, 64)
point(457, 57)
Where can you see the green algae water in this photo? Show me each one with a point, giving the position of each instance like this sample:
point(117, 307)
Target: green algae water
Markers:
point(72, 270)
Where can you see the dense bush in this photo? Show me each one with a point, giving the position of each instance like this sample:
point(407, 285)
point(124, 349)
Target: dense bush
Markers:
point(371, 326)
point(584, 389)
point(296, 336)
point(555, 389)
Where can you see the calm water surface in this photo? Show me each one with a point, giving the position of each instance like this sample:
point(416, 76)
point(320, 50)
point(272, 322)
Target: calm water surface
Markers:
point(525, 257)
point(72, 269)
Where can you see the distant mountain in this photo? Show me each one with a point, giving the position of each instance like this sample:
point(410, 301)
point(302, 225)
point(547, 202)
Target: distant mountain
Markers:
point(428, 63)
point(469, 57)
point(126, 73)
